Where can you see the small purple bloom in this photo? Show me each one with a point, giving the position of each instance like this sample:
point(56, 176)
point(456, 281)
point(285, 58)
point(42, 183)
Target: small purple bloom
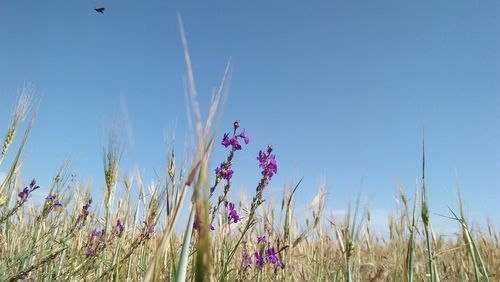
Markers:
point(151, 229)
point(233, 214)
point(96, 233)
point(228, 174)
point(259, 259)
point(219, 168)
point(234, 142)
point(267, 163)
point(224, 171)
point(271, 255)
point(51, 199)
point(90, 252)
point(225, 140)
point(247, 260)
point(261, 239)
point(120, 227)
point(212, 228)
point(236, 125)
point(245, 137)
point(82, 217)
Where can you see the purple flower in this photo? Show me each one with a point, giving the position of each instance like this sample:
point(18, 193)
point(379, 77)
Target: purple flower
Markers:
point(272, 167)
point(245, 137)
point(218, 169)
point(212, 228)
point(247, 260)
point(228, 174)
point(90, 252)
point(225, 140)
point(82, 217)
point(267, 163)
point(120, 227)
point(96, 233)
point(261, 239)
point(151, 229)
point(233, 214)
point(271, 255)
point(51, 199)
point(27, 190)
point(259, 259)
point(234, 142)
point(224, 171)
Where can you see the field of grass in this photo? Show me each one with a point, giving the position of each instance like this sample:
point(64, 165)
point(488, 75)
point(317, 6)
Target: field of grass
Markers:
point(130, 237)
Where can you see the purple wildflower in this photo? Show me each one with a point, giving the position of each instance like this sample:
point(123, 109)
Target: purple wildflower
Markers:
point(96, 233)
point(27, 190)
point(224, 171)
point(234, 142)
point(151, 229)
point(259, 259)
point(90, 252)
point(245, 137)
point(82, 217)
point(51, 199)
point(212, 228)
point(267, 163)
point(228, 174)
point(261, 239)
point(233, 214)
point(225, 140)
point(120, 227)
point(271, 255)
point(247, 260)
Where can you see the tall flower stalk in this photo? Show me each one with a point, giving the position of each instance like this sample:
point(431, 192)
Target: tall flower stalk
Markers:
point(269, 167)
point(224, 170)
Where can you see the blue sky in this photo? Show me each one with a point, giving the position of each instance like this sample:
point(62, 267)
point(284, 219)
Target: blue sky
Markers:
point(342, 89)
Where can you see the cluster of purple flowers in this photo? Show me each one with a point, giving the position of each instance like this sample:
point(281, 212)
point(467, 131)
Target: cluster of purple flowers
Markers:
point(24, 194)
point(267, 163)
point(52, 200)
point(97, 238)
point(95, 242)
point(233, 214)
point(233, 141)
point(271, 257)
point(224, 169)
point(262, 257)
point(82, 217)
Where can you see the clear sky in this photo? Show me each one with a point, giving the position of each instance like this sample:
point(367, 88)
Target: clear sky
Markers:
point(342, 89)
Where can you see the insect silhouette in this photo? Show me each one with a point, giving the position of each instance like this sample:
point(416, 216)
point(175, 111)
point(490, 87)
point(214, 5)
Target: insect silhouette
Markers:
point(100, 10)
